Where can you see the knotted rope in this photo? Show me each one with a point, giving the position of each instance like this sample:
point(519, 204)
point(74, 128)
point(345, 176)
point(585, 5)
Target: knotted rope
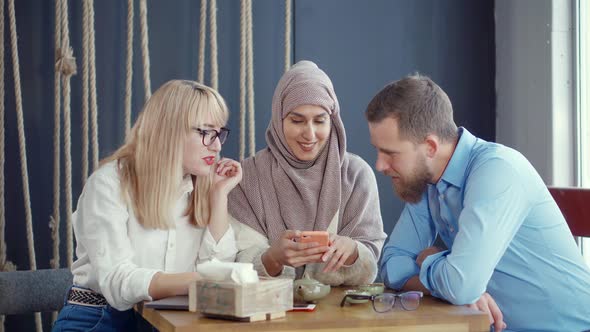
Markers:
point(246, 79)
point(288, 16)
point(129, 67)
point(145, 52)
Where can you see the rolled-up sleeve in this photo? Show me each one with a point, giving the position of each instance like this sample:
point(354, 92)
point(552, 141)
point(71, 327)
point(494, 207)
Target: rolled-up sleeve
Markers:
point(413, 233)
point(100, 225)
point(224, 250)
point(495, 205)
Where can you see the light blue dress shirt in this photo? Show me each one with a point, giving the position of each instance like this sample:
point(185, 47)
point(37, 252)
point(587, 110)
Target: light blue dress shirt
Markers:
point(506, 237)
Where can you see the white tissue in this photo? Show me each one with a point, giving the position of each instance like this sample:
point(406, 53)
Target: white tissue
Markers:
point(240, 273)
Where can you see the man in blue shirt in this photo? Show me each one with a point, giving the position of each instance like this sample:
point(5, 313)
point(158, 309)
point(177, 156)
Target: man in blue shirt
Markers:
point(511, 253)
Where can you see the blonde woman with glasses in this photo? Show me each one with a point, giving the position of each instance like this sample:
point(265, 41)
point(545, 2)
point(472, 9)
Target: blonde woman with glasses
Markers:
point(153, 210)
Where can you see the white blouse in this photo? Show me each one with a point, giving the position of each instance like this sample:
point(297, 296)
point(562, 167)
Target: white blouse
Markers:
point(118, 257)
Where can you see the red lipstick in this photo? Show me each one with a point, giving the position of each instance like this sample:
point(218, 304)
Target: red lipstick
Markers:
point(209, 160)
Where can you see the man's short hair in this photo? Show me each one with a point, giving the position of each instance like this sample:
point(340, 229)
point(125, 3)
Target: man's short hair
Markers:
point(419, 105)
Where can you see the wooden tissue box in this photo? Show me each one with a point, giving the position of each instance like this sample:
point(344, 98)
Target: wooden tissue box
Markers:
point(266, 299)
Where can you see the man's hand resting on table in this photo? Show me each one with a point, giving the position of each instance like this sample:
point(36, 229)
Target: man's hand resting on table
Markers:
point(487, 304)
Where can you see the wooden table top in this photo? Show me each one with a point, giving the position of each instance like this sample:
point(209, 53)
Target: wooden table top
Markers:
point(432, 315)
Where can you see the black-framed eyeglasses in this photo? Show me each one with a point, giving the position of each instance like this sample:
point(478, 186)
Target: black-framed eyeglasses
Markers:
point(386, 301)
point(209, 135)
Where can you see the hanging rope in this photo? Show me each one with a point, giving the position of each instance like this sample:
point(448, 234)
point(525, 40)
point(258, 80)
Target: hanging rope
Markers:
point(5, 265)
point(213, 41)
point(89, 88)
point(85, 88)
point(246, 79)
point(242, 79)
point(67, 66)
point(250, 77)
point(129, 67)
point(93, 101)
point(145, 48)
point(202, 37)
point(288, 16)
point(21, 134)
point(22, 145)
point(55, 218)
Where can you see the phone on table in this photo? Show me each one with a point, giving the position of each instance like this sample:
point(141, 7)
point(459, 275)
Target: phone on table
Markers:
point(322, 238)
point(303, 307)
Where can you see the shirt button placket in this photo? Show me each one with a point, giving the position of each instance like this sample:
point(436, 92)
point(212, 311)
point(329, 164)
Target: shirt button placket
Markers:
point(443, 209)
point(170, 253)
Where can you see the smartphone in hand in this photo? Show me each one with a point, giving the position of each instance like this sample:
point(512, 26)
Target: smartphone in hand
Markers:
point(320, 237)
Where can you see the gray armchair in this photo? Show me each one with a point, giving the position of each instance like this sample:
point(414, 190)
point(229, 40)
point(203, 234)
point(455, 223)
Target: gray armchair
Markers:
point(23, 292)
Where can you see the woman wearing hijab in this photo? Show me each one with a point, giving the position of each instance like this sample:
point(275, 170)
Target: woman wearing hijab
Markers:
point(306, 180)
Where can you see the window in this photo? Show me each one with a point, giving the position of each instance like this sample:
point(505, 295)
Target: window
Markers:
point(583, 104)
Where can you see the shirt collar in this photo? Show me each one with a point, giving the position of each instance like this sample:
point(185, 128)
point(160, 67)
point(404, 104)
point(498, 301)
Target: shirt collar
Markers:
point(455, 171)
point(186, 186)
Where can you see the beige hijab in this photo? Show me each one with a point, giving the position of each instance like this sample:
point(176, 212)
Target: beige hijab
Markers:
point(280, 192)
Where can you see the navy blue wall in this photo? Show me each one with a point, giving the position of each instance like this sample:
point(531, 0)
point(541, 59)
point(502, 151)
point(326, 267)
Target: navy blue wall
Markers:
point(362, 45)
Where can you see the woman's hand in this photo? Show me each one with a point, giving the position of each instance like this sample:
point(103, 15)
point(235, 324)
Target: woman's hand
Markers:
point(343, 251)
point(286, 251)
point(171, 284)
point(228, 173)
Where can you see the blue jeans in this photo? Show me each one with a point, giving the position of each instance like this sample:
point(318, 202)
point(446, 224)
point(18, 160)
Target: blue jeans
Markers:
point(74, 317)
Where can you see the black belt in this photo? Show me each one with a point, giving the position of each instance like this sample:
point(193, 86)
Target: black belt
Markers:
point(86, 297)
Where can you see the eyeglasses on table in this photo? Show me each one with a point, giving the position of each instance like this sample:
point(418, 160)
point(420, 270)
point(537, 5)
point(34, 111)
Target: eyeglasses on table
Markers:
point(386, 301)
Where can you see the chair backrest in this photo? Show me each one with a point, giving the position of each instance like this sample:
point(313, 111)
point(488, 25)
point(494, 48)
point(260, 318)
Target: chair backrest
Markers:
point(574, 203)
point(24, 292)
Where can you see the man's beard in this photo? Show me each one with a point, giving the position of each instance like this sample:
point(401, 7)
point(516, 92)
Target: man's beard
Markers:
point(411, 189)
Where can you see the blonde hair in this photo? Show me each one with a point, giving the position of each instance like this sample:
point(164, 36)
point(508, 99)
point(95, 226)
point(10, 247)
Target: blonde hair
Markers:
point(150, 161)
